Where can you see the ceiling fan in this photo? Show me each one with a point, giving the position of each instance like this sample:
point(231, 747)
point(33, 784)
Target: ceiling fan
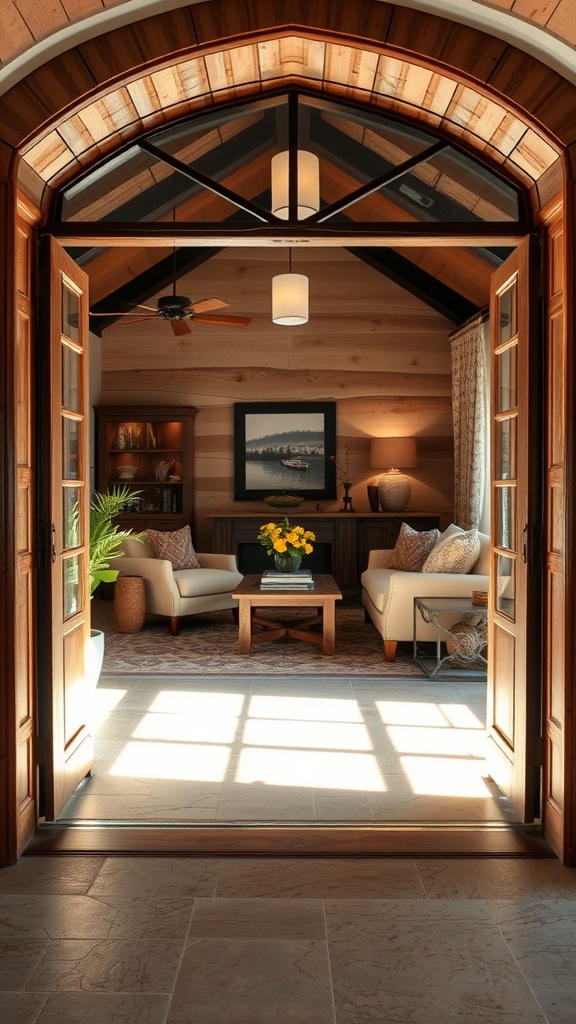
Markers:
point(178, 310)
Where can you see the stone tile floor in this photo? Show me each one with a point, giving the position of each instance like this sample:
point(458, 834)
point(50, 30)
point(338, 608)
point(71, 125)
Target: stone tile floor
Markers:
point(125, 940)
point(277, 749)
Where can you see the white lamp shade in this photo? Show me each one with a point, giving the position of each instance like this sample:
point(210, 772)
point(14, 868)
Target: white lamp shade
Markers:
point(290, 299)
point(308, 196)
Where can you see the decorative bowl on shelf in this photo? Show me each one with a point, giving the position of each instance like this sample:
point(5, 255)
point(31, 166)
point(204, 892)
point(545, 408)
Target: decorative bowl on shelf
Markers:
point(283, 501)
point(127, 472)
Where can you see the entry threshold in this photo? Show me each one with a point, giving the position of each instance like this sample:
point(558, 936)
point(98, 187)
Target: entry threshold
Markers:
point(172, 839)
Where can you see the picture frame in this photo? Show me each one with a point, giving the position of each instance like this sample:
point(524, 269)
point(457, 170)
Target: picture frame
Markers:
point(284, 448)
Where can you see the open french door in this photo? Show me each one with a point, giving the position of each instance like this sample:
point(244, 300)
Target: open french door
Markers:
point(515, 671)
point(66, 743)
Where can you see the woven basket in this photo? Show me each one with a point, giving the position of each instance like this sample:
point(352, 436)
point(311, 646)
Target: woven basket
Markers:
point(466, 640)
point(129, 603)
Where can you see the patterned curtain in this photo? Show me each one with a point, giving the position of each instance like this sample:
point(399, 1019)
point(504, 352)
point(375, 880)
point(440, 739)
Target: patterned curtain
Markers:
point(469, 414)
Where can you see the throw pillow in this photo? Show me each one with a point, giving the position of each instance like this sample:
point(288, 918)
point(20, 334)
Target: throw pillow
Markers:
point(457, 553)
point(412, 548)
point(176, 546)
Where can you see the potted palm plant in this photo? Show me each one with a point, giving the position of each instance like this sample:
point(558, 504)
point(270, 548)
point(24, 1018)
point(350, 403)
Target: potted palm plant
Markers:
point(106, 539)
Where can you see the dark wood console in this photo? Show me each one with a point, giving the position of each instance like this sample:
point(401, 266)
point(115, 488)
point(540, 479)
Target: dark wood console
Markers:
point(343, 540)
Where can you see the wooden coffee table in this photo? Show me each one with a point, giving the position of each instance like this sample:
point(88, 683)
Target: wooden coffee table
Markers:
point(256, 629)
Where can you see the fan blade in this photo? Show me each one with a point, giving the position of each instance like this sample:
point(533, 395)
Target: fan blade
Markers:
point(226, 321)
point(207, 305)
point(179, 327)
point(127, 323)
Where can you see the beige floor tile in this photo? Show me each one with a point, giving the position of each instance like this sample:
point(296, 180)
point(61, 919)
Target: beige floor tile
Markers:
point(258, 919)
point(108, 965)
point(22, 1007)
point(113, 916)
point(319, 878)
point(541, 935)
point(48, 875)
point(137, 808)
point(491, 878)
point(338, 806)
point(254, 981)
point(180, 877)
point(104, 1008)
point(257, 802)
point(424, 963)
point(19, 958)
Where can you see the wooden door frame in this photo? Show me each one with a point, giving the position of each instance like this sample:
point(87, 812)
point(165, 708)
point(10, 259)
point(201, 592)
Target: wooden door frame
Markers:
point(18, 837)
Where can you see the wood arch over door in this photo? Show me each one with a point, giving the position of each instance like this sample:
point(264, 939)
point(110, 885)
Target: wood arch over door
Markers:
point(33, 126)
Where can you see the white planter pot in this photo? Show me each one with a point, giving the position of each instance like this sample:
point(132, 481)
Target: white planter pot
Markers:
point(94, 656)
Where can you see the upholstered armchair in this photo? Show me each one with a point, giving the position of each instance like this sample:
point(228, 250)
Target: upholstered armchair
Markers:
point(179, 592)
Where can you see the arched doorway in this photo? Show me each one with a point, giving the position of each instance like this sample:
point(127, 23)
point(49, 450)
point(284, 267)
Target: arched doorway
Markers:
point(35, 152)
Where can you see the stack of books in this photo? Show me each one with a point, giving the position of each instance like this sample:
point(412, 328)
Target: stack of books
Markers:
point(301, 579)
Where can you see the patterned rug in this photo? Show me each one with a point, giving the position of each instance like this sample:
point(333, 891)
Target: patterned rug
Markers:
point(208, 645)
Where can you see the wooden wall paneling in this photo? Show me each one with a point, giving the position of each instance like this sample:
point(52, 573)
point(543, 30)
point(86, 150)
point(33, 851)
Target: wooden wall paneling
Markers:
point(381, 353)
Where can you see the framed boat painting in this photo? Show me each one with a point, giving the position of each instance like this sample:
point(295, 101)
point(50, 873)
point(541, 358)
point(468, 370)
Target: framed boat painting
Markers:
point(284, 448)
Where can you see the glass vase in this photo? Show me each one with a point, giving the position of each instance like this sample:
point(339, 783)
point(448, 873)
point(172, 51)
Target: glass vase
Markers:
point(285, 562)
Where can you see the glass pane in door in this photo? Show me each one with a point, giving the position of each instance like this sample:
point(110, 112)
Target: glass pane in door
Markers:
point(506, 449)
point(507, 314)
point(71, 590)
point(506, 586)
point(70, 379)
point(506, 517)
point(70, 449)
point(507, 384)
point(70, 312)
point(70, 517)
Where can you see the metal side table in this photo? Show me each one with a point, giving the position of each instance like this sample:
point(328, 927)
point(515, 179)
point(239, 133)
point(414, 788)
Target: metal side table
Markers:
point(466, 648)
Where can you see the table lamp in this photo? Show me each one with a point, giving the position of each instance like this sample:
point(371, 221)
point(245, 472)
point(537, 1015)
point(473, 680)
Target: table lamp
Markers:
point(393, 454)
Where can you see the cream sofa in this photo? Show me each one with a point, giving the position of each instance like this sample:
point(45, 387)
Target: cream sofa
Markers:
point(180, 592)
point(388, 594)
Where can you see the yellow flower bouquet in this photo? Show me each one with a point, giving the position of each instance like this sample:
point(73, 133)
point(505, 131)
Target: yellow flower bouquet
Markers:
point(281, 538)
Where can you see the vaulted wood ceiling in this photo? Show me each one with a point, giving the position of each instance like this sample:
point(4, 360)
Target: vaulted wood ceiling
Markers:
point(150, 89)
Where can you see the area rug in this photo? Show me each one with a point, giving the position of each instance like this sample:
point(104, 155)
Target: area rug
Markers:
point(208, 645)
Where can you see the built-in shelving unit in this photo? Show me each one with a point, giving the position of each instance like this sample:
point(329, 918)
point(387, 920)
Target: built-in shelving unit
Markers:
point(149, 450)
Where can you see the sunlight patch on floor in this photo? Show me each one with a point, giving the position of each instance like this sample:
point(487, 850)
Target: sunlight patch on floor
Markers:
point(185, 762)
point(308, 742)
point(446, 776)
point(311, 709)
point(311, 735)
point(456, 742)
point(104, 702)
point(311, 769)
point(187, 729)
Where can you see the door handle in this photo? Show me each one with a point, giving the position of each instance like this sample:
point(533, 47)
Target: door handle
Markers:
point(524, 544)
point(53, 543)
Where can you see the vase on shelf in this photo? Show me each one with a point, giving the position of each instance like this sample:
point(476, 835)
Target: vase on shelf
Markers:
point(347, 500)
point(285, 562)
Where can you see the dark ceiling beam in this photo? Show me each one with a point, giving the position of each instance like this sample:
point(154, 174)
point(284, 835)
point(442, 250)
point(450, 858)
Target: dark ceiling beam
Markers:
point(230, 232)
point(413, 279)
